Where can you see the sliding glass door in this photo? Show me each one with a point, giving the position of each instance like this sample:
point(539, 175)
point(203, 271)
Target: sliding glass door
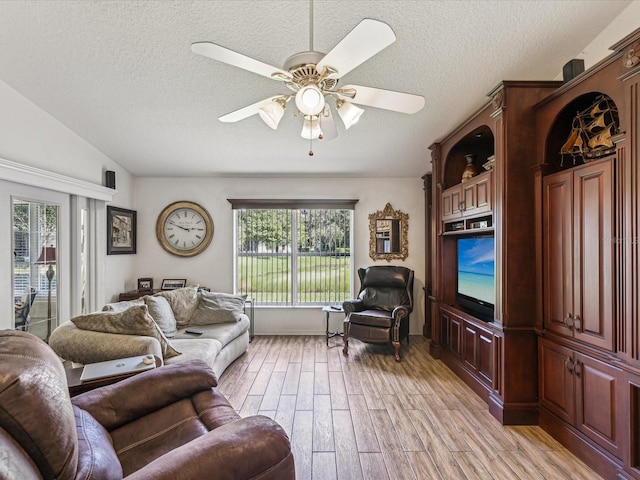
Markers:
point(38, 258)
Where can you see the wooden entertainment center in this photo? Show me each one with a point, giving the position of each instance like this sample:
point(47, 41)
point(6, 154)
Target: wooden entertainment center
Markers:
point(494, 358)
point(562, 202)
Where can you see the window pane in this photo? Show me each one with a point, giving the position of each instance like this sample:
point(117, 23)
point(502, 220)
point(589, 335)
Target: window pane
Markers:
point(315, 269)
point(35, 227)
point(263, 255)
point(324, 264)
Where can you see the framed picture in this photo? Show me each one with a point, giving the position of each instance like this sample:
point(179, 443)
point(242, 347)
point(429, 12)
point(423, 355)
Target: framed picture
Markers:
point(145, 284)
point(172, 283)
point(121, 231)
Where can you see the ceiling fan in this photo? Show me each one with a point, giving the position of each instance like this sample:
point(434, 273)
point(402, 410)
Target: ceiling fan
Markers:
point(313, 78)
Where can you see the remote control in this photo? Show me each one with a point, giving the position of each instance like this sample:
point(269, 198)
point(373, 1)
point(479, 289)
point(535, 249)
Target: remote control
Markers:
point(193, 332)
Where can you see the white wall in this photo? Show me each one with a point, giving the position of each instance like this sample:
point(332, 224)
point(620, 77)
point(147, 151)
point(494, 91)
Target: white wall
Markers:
point(599, 48)
point(32, 137)
point(214, 267)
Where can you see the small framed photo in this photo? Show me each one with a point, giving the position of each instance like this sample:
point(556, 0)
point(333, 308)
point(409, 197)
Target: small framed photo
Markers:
point(172, 283)
point(121, 231)
point(145, 284)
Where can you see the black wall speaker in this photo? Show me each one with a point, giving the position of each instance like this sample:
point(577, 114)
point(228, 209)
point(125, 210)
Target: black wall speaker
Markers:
point(110, 179)
point(572, 69)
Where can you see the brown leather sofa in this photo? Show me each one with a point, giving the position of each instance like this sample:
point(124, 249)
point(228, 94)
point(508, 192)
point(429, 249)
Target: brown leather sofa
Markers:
point(380, 314)
point(167, 423)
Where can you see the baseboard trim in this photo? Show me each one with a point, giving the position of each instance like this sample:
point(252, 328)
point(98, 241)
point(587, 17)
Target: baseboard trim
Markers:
point(595, 457)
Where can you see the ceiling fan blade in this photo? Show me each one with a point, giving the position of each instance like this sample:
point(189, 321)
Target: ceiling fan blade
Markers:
point(387, 99)
point(328, 126)
point(363, 42)
point(222, 54)
point(247, 111)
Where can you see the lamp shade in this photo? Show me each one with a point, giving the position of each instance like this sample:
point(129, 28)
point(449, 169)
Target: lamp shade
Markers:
point(272, 113)
point(349, 113)
point(47, 256)
point(310, 100)
point(311, 128)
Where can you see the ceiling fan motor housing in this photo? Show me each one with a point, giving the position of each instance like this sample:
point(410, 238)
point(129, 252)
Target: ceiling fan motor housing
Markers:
point(302, 67)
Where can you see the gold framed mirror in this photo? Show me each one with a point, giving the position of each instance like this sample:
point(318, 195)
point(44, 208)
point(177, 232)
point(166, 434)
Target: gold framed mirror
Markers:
point(389, 231)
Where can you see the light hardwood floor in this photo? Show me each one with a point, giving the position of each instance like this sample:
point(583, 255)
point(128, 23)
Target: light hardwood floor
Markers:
point(367, 417)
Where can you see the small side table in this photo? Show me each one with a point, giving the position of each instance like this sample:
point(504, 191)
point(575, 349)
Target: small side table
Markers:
point(328, 310)
point(76, 386)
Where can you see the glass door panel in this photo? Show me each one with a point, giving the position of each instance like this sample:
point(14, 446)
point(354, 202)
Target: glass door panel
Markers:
point(35, 287)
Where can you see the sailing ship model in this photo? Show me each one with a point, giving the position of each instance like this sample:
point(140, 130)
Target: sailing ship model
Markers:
point(591, 132)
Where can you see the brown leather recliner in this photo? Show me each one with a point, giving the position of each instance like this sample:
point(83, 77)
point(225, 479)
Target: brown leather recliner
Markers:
point(380, 314)
point(167, 423)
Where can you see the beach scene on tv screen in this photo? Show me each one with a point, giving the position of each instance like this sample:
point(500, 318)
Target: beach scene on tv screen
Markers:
point(476, 261)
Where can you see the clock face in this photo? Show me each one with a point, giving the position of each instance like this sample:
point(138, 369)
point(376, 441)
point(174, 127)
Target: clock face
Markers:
point(184, 229)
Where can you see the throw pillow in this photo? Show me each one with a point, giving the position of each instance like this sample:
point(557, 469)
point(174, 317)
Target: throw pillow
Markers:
point(216, 307)
point(183, 301)
point(122, 306)
point(161, 312)
point(133, 321)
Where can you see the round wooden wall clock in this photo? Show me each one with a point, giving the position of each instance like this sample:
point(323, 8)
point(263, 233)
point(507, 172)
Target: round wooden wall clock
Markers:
point(184, 229)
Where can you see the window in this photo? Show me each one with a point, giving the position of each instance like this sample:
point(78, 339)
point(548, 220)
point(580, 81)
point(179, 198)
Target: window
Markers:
point(293, 253)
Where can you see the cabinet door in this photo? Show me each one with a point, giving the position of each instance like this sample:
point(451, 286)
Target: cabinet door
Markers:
point(469, 197)
point(445, 329)
point(558, 251)
point(455, 339)
point(598, 402)
point(476, 195)
point(593, 254)
point(556, 382)
point(451, 332)
point(483, 193)
point(451, 203)
point(478, 351)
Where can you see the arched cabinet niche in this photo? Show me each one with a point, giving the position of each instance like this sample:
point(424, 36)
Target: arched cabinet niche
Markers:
point(467, 182)
point(584, 131)
point(479, 143)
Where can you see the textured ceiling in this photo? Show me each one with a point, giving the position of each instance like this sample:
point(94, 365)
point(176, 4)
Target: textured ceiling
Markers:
point(121, 74)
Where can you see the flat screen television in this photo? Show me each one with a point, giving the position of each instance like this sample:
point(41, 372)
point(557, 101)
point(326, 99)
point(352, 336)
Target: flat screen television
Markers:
point(476, 288)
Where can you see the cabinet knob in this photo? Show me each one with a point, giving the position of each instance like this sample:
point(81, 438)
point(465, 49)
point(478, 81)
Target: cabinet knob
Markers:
point(569, 364)
point(577, 368)
point(576, 322)
point(568, 321)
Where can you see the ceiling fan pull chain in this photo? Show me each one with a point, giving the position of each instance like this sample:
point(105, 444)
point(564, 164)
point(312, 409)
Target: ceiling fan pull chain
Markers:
point(311, 147)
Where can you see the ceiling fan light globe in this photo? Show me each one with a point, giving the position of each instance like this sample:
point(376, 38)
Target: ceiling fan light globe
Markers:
point(349, 113)
point(272, 114)
point(311, 128)
point(310, 100)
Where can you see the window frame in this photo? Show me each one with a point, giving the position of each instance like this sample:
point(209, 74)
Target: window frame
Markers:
point(293, 205)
